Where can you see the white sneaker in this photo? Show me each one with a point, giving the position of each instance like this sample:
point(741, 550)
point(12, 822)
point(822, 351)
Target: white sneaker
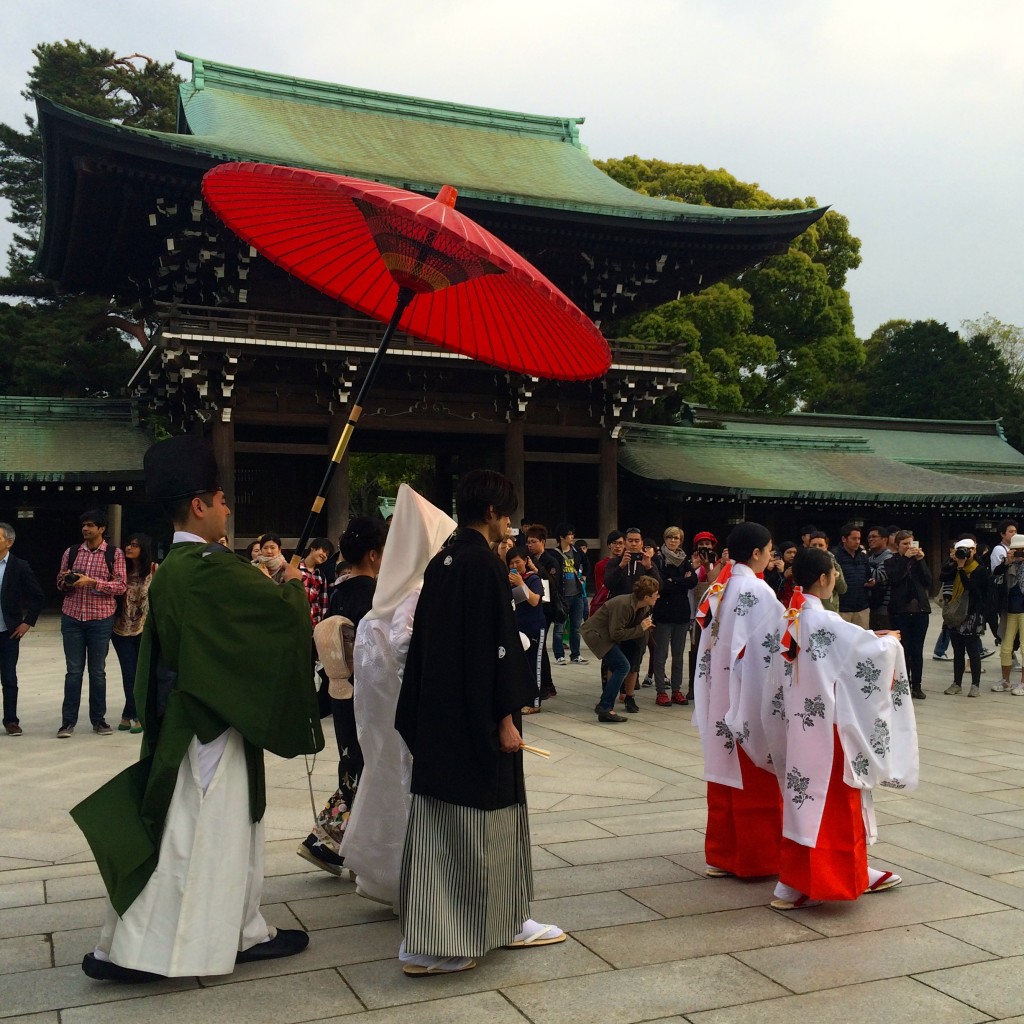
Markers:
point(1000, 687)
point(561, 661)
point(1018, 690)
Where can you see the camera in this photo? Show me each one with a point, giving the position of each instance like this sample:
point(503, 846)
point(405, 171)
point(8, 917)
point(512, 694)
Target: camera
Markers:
point(964, 553)
point(70, 579)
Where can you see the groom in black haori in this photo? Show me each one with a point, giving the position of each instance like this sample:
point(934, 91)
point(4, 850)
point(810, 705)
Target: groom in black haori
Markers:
point(467, 879)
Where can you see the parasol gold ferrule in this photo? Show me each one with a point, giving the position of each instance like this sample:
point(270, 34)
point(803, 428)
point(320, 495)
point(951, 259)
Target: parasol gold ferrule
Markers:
point(346, 434)
point(318, 504)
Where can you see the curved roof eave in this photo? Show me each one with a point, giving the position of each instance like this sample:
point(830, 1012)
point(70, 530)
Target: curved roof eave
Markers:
point(635, 207)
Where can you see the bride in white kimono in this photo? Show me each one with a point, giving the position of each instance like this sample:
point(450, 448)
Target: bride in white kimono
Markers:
point(374, 838)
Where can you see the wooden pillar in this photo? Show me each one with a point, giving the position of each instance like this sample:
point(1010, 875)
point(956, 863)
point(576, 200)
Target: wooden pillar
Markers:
point(607, 488)
point(112, 534)
point(515, 462)
point(935, 552)
point(223, 440)
point(332, 525)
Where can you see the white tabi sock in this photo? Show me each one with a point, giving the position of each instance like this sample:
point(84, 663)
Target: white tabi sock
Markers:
point(787, 893)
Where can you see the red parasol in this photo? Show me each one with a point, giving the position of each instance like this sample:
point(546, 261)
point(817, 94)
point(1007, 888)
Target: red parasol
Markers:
point(412, 262)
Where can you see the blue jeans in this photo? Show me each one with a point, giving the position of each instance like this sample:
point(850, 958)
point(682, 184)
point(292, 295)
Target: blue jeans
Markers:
point(9, 650)
point(616, 664)
point(84, 640)
point(575, 607)
point(942, 643)
point(127, 650)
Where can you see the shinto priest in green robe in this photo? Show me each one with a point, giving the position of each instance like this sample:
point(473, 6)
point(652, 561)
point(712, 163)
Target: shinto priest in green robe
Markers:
point(178, 837)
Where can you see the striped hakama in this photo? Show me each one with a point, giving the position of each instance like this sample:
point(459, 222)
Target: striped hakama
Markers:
point(467, 878)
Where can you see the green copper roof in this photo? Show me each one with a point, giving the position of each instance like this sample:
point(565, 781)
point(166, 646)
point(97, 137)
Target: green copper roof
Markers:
point(239, 113)
point(70, 439)
point(808, 463)
point(948, 446)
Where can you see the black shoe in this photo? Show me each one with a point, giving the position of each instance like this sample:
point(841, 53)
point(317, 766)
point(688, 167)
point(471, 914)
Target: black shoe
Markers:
point(918, 694)
point(610, 717)
point(631, 707)
point(316, 853)
point(287, 942)
point(106, 970)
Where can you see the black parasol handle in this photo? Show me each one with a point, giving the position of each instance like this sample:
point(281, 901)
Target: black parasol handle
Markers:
point(405, 296)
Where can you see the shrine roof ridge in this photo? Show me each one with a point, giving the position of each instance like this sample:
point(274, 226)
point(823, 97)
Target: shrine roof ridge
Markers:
point(266, 83)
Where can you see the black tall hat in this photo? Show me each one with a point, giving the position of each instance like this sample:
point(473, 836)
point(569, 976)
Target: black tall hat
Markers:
point(180, 467)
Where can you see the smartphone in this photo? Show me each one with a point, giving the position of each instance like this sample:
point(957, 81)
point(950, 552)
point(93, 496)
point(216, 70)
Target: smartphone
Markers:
point(914, 545)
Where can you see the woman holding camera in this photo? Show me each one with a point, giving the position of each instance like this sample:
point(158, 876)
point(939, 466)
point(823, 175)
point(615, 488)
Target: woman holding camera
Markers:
point(971, 578)
point(909, 580)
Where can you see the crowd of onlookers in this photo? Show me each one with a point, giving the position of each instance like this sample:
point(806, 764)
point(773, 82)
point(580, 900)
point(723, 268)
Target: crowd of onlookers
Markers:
point(883, 583)
point(559, 586)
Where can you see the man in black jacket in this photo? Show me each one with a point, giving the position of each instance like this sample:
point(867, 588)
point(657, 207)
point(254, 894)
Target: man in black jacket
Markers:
point(21, 601)
point(853, 561)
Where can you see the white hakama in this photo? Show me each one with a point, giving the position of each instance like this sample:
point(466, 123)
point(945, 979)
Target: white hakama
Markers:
point(188, 920)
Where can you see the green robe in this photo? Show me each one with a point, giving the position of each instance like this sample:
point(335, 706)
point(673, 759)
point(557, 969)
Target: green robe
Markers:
point(240, 646)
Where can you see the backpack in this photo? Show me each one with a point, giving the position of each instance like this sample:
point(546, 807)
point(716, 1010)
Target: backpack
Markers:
point(108, 556)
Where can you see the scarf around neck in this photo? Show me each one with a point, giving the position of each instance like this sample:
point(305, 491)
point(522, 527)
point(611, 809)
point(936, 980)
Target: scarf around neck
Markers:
point(672, 557)
point(958, 585)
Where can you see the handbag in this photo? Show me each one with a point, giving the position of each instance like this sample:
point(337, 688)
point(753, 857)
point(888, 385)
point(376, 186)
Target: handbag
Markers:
point(954, 611)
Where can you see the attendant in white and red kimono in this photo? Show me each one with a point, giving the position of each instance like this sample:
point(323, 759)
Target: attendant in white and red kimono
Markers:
point(839, 721)
point(739, 619)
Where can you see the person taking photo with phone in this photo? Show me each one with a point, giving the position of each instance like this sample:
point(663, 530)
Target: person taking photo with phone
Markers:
point(909, 581)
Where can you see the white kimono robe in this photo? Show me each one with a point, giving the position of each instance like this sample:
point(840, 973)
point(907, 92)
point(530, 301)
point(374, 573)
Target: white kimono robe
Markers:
point(373, 841)
point(733, 663)
point(845, 677)
point(375, 835)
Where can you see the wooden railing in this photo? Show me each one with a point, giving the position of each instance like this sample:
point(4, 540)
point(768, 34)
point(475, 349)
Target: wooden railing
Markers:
point(339, 331)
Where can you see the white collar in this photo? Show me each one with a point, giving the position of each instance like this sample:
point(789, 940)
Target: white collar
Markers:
point(184, 537)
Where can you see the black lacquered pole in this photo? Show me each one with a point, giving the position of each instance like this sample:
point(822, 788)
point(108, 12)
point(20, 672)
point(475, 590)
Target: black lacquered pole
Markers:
point(404, 297)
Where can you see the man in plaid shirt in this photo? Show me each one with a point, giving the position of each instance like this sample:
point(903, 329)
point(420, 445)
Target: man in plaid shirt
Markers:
point(91, 587)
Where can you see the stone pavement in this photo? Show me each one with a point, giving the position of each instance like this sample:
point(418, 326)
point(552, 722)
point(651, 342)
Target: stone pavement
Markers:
point(617, 817)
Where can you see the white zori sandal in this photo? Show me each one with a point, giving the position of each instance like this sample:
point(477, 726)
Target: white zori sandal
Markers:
point(535, 934)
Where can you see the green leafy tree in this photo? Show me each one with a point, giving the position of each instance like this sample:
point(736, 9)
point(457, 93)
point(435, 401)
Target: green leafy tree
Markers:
point(776, 337)
point(1007, 338)
point(373, 475)
point(134, 90)
point(922, 369)
point(66, 344)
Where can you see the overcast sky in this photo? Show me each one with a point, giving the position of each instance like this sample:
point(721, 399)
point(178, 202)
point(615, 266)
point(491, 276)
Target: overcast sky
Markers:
point(904, 115)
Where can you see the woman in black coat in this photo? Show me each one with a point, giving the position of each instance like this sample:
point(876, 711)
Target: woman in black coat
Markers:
point(672, 615)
